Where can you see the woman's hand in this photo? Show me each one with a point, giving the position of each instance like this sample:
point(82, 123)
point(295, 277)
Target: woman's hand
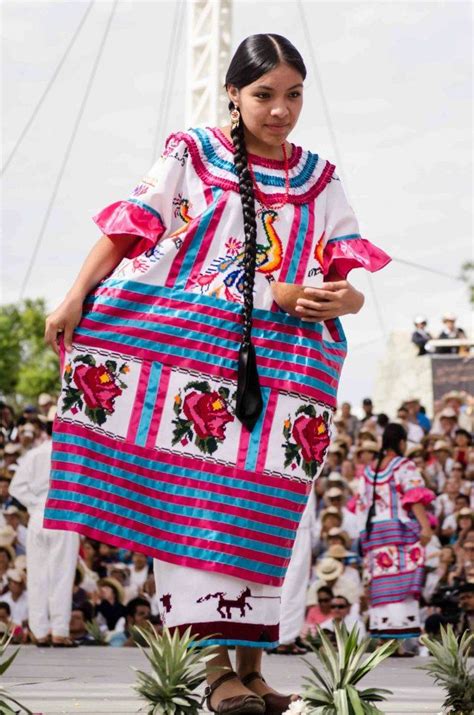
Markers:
point(63, 319)
point(334, 299)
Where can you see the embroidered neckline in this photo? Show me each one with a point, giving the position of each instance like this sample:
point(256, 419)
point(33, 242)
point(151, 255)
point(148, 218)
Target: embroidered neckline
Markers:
point(293, 159)
point(212, 156)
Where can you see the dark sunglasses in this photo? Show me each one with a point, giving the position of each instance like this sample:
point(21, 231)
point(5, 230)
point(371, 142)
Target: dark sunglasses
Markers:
point(338, 606)
point(323, 600)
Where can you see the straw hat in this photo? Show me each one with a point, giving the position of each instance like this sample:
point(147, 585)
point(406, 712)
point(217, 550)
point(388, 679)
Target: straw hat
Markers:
point(449, 316)
point(16, 575)
point(10, 551)
point(44, 399)
point(20, 562)
point(441, 445)
point(329, 569)
point(11, 510)
point(12, 448)
point(414, 449)
point(7, 535)
point(455, 395)
point(335, 448)
point(448, 413)
point(334, 493)
point(335, 477)
point(337, 552)
point(367, 445)
point(337, 531)
point(331, 511)
point(114, 585)
point(371, 435)
point(465, 511)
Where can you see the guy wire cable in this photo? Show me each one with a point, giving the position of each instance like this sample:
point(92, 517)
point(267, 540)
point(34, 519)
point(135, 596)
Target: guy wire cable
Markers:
point(337, 153)
point(48, 87)
point(68, 149)
point(169, 81)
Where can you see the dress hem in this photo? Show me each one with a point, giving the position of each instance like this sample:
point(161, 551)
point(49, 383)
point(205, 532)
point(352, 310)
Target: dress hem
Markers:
point(121, 542)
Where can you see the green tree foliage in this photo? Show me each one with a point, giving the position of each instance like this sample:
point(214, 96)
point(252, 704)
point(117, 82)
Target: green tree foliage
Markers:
point(467, 275)
point(27, 365)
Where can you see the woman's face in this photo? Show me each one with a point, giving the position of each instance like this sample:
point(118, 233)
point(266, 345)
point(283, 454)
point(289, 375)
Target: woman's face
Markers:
point(446, 556)
point(4, 562)
point(324, 601)
point(271, 105)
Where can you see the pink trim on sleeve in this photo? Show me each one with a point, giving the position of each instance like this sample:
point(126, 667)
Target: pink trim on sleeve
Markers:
point(418, 495)
point(127, 218)
point(341, 255)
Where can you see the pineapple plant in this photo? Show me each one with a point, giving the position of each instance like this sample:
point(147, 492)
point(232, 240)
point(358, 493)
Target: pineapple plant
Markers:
point(98, 636)
point(332, 689)
point(449, 668)
point(178, 669)
point(6, 700)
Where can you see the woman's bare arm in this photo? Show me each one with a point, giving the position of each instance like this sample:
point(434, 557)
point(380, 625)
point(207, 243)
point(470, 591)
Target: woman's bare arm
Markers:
point(104, 256)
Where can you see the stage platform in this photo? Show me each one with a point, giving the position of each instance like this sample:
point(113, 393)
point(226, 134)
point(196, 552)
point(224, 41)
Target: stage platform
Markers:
point(97, 680)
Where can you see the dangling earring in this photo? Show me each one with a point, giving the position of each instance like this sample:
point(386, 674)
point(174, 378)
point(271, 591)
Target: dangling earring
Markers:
point(235, 117)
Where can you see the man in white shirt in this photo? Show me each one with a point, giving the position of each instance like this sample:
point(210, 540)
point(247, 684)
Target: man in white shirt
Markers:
point(12, 517)
point(16, 597)
point(51, 554)
point(335, 497)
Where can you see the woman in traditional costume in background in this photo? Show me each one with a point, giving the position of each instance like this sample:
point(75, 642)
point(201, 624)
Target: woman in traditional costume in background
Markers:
point(394, 528)
point(195, 411)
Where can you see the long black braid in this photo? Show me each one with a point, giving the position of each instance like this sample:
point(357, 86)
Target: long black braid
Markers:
point(247, 198)
point(391, 438)
point(255, 56)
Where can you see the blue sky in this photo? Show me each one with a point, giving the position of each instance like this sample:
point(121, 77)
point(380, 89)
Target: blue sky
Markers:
point(397, 79)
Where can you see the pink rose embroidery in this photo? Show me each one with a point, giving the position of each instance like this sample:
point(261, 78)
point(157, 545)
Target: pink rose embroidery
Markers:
point(93, 388)
point(312, 435)
point(384, 560)
point(415, 554)
point(208, 412)
point(98, 386)
point(201, 416)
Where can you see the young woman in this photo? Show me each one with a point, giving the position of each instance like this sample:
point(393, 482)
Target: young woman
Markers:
point(394, 527)
point(195, 411)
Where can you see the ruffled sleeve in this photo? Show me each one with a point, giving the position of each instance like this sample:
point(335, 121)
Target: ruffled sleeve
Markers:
point(344, 247)
point(148, 212)
point(411, 485)
point(418, 495)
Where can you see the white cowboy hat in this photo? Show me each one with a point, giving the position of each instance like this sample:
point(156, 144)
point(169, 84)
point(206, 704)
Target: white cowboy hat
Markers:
point(329, 569)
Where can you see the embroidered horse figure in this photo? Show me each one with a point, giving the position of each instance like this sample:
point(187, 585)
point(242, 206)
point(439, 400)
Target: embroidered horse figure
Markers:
point(228, 604)
point(166, 601)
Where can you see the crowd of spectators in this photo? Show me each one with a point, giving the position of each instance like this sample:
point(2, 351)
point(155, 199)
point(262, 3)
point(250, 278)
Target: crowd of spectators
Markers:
point(421, 336)
point(114, 589)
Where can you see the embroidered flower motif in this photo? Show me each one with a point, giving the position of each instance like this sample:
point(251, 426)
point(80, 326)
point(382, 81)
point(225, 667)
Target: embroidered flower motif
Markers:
point(93, 388)
point(234, 246)
point(201, 414)
point(415, 554)
point(384, 560)
point(140, 189)
point(310, 433)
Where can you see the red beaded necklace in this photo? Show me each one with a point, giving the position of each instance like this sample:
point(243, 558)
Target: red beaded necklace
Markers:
point(261, 198)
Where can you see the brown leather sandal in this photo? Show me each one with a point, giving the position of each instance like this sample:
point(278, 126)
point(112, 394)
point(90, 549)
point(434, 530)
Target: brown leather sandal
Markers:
point(238, 704)
point(275, 703)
